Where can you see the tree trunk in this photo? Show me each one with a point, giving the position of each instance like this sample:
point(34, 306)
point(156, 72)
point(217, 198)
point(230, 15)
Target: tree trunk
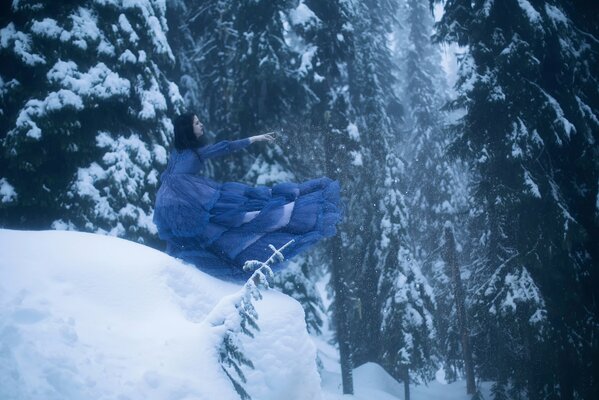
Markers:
point(458, 292)
point(338, 283)
point(406, 382)
point(341, 312)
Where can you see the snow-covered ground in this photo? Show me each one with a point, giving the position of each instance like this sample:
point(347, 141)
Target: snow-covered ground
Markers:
point(371, 381)
point(86, 316)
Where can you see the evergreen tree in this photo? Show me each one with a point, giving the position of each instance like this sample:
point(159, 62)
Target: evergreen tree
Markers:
point(205, 42)
point(237, 66)
point(85, 111)
point(298, 281)
point(330, 121)
point(529, 87)
point(407, 301)
point(435, 186)
point(374, 100)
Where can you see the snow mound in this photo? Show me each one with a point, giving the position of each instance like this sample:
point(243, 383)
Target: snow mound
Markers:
point(86, 316)
point(372, 381)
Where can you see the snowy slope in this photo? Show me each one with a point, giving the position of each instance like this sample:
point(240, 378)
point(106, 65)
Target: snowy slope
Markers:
point(86, 316)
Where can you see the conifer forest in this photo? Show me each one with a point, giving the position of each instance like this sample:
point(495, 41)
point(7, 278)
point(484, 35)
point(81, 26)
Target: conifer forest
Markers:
point(464, 135)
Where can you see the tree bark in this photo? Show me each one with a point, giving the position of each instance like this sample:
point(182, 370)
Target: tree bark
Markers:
point(341, 312)
point(338, 282)
point(460, 301)
point(406, 382)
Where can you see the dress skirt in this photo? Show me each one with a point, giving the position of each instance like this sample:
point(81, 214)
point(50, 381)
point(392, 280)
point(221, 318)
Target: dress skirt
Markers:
point(219, 226)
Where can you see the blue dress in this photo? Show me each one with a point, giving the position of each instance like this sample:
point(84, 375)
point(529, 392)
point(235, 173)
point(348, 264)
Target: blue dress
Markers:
point(219, 226)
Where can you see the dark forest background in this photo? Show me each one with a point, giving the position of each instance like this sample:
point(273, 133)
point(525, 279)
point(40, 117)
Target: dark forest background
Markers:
point(471, 235)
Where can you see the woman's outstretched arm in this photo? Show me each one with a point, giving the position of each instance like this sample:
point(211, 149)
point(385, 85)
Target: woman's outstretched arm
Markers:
point(226, 147)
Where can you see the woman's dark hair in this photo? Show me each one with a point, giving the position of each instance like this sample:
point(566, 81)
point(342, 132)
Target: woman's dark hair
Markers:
point(184, 136)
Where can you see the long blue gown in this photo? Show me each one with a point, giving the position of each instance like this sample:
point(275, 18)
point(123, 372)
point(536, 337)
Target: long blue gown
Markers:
point(219, 226)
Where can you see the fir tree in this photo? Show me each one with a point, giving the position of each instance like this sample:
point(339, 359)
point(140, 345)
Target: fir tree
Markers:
point(532, 66)
point(86, 107)
point(406, 299)
point(298, 281)
point(374, 100)
point(435, 186)
point(205, 43)
point(331, 121)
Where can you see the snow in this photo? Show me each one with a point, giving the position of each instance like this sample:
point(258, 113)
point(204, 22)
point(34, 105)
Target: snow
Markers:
point(533, 15)
point(142, 57)
point(567, 126)
point(556, 15)
point(533, 188)
point(159, 38)
point(149, 9)
point(152, 100)
point(31, 109)
point(21, 43)
point(56, 101)
point(7, 191)
point(127, 57)
point(61, 225)
point(92, 316)
point(306, 63)
point(127, 28)
point(84, 28)
point(105, 48)
point(303, 15)
point(88, 316)
point(100, 82)
point(487, 7)
point(160, 154)
point(356, 158)
point(47, 27)
point(125, 161)
point(353, 131)
point(522, 289)
point(587, 111)
point(84, 187)
point(371, 381)
point(173, 93)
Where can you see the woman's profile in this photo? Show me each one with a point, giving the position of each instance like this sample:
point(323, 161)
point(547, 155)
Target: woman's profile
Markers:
point(219, 226)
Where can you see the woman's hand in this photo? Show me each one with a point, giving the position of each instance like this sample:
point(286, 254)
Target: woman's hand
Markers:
point(267, 137)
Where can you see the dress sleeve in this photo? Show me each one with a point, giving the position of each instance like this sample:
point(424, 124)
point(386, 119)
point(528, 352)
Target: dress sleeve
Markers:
point(223, 148)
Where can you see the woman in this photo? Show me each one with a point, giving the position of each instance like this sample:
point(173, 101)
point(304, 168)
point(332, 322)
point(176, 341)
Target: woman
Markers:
point(219, 226)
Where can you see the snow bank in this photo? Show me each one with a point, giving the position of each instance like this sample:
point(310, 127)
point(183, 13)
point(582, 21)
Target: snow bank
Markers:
point(86, 316)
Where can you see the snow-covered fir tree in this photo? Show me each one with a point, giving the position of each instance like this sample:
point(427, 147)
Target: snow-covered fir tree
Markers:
point(204, 41)
point(375, 101)
point(436, 184)
point(405, 298)
point(86, 109)
point(297, 281)
point(532, 66)
point(325, 31)
point(236, 68)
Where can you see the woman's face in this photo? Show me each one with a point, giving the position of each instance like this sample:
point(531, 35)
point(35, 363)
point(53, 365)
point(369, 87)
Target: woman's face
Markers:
point(198, 128)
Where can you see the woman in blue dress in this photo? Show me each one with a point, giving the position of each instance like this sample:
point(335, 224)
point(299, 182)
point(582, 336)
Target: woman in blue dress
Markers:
point(219, 226)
